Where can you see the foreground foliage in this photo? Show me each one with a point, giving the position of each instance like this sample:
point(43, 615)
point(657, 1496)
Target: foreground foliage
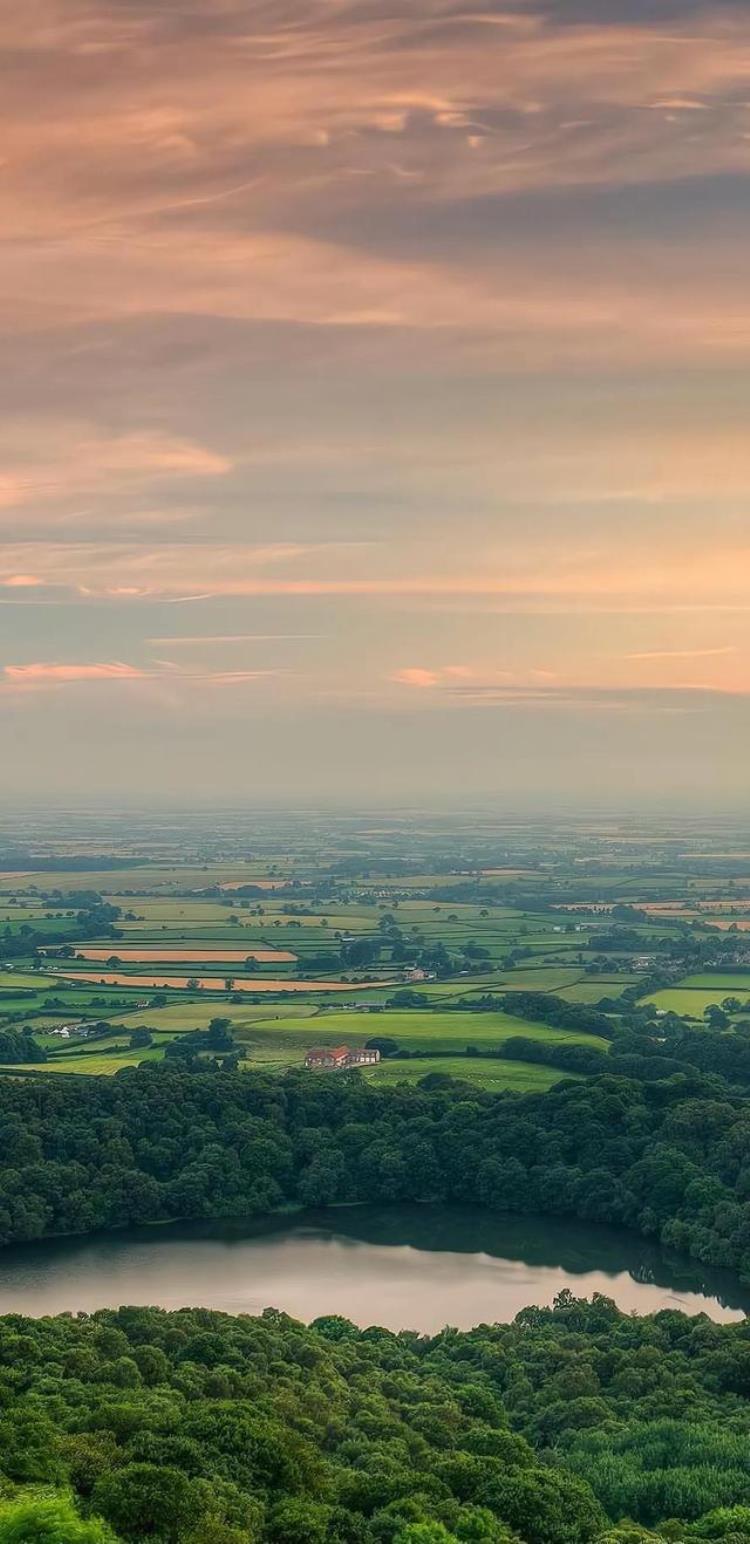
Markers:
point(197, 1428)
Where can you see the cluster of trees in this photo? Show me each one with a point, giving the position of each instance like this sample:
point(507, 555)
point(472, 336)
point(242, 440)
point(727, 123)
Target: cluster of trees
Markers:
point(196, 1428)
point(660, 1047)
point(19, 1045)
point(217, 1042)
point(544, 1008)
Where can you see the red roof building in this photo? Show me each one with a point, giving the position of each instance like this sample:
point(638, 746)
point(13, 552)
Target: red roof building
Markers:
point(338, 1056)
point(328, 1056)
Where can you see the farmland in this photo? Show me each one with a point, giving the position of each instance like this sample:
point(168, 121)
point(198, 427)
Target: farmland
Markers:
point(423, 939)
point(494, 1076)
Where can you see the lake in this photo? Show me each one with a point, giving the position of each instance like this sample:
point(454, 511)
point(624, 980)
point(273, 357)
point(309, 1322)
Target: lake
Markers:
point(404, 1267)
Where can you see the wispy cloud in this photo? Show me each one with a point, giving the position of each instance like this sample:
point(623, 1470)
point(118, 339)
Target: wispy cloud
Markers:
point(46, 674)
point(594, 576)
point(209, 639)
point(683, 653)
point(47, 462)
point(419, 676)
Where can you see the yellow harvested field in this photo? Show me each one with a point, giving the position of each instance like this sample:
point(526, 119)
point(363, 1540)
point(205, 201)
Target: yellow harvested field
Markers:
point(208, 956)
point(258, 984)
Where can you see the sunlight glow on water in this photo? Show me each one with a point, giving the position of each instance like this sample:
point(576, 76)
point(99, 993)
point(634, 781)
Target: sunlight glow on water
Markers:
point(309, 1269)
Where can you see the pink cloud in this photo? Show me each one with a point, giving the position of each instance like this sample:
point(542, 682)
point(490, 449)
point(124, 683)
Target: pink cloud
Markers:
point(43, 673)
point(415, 675)
point(39, 674)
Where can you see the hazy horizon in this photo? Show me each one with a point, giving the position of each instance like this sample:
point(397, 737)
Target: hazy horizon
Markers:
point(374, 413)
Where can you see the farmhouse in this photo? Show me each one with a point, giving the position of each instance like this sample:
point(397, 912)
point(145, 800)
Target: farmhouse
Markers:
point(66, 1030)
point(340, 1056)
point(328, 1056)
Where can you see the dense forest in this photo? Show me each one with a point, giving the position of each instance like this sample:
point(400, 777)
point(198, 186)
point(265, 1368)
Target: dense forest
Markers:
point(197, 1428)
point(194, 1428)
point(669, 1157)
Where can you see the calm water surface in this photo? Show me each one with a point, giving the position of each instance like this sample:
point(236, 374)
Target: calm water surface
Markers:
point(402, 1267)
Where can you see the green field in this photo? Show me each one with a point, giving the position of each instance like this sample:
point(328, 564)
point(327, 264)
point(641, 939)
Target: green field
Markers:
point(275, 1038)
point(18, 979)
point(93, 1066)
point(729, 985)
point(688, 1003)
point(487, 1073)
point(592, 992)
point(518, 1077)
point(433, 1030)
point(177, 1016)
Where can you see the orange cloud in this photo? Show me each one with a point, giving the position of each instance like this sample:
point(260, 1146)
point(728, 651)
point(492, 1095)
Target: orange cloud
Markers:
point(441, 675)
point(415, 675)
point(682, 653)
point(42, 674)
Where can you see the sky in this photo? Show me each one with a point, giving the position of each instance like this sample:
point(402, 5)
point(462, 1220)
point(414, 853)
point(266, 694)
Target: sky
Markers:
point(374, 400)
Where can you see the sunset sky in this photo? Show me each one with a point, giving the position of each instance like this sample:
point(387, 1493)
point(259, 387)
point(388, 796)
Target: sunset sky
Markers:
point(375, 396)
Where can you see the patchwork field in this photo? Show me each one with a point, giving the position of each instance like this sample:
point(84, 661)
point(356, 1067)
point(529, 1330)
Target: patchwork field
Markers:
point(334, 930)
point(206, 983)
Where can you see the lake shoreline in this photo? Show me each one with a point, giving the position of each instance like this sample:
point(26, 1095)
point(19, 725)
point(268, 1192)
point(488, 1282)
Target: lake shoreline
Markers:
point(379, 1264)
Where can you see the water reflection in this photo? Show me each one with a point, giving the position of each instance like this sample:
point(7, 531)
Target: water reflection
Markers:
point(402, 1267)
